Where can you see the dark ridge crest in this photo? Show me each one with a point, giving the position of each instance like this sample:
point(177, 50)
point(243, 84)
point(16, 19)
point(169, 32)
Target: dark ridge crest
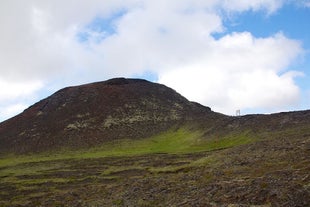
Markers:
point(123, 81)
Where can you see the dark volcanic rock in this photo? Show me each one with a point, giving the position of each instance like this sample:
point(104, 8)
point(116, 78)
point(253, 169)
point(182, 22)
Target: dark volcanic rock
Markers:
point(91, 114)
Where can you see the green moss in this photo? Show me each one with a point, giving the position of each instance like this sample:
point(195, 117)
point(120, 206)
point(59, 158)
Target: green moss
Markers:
point(40, 181)
point(118, 202)
point(178, 141)
point(231, 140)
point(201, 162)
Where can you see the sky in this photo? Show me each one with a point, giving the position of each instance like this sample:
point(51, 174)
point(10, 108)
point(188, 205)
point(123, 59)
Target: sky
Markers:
point(251, 55)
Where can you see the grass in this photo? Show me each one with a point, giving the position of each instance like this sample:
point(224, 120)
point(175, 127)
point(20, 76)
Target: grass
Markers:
point(193, 164)
point(175, 163)
point(28, 172)
point(178, 141)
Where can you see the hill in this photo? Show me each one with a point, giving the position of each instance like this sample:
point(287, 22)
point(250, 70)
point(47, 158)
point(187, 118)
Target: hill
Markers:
point(130, 142)
point(91, 114)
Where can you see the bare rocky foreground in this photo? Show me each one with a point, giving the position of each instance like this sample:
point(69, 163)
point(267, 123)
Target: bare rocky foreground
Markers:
point(271, 172)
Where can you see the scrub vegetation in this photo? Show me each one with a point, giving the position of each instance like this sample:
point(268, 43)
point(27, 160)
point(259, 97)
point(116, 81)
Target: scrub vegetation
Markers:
point(178, 168)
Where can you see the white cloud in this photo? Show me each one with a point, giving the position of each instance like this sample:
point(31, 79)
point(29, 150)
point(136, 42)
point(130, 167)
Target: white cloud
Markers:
point(307, 3)
point(11, 110)
point(241, 71)
point(173, 39)
point(267, 5)
point(16, 96)
point(14, 90)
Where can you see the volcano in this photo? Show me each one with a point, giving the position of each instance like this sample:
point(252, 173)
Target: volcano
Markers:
point(91, 114)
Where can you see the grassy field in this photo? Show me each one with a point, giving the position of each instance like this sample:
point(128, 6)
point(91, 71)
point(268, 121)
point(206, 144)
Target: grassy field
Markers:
point(176, 168)
point(178, 141)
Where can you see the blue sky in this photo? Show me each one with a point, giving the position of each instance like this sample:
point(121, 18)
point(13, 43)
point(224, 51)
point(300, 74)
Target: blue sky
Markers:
point(103, 26)
point(248, 55)
point(293, 21)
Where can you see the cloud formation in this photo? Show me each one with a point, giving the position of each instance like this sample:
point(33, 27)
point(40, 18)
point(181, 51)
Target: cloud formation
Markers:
point(62, 42)
point(240, 72)
point(15, 96)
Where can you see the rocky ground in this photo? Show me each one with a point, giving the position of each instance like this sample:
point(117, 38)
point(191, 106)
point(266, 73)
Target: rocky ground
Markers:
point(270, 172)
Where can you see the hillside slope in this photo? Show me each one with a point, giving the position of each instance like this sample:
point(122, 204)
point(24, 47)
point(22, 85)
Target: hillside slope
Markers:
point(91, 114)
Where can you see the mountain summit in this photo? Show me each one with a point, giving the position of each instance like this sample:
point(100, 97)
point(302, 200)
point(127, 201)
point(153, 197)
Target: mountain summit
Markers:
point(91, 114)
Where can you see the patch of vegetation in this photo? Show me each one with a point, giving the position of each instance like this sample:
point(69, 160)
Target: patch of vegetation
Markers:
point(204, 161)
point(178, 141)
point(176, 152)
point(225, 177)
